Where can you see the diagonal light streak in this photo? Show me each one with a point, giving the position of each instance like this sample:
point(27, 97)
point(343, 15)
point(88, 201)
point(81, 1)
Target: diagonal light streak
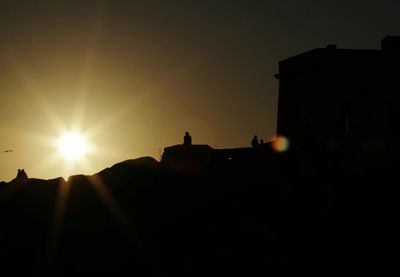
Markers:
point(110, 202)
point(58, 219)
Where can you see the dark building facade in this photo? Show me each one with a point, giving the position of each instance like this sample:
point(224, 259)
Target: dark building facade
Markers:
point(331, 98)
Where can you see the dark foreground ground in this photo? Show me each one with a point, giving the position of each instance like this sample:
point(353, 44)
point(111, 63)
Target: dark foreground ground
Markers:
point(282, 215)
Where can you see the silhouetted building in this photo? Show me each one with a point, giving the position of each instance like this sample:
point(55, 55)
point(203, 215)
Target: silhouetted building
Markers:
point(198, 157)
point(331, 98)
point(183, 158)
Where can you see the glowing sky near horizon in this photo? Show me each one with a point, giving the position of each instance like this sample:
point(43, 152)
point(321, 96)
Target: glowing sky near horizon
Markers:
point(135, 75)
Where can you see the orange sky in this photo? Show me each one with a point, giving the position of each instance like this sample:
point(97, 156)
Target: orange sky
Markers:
point(134, 75)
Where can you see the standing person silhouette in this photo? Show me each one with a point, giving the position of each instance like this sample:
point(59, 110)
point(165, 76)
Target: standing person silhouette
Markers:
point(187, 139)
point(254, 141)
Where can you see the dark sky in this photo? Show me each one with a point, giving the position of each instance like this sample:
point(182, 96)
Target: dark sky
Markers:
point(134, 75)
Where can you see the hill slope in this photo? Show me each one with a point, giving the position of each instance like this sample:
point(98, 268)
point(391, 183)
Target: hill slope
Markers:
point(289, 216)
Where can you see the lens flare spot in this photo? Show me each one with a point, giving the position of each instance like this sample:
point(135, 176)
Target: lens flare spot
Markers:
point(280, 144)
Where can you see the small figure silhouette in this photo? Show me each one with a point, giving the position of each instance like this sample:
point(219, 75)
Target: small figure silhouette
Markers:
point(254, 141)
point(187, 139)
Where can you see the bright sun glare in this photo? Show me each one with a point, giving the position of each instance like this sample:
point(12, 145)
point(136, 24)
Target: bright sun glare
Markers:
point(72, 146)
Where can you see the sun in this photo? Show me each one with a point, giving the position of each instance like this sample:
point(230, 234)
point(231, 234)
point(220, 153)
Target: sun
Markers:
point(72, 146)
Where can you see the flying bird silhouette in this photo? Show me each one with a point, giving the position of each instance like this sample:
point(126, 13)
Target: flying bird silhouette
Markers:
point(7, 151)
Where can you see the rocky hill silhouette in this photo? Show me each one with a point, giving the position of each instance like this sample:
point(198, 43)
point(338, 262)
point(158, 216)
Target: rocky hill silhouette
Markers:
point(293, 214)
point(328, 204)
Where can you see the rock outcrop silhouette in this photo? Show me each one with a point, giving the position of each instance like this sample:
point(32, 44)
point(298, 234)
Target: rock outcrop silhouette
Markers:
point(21, 175)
